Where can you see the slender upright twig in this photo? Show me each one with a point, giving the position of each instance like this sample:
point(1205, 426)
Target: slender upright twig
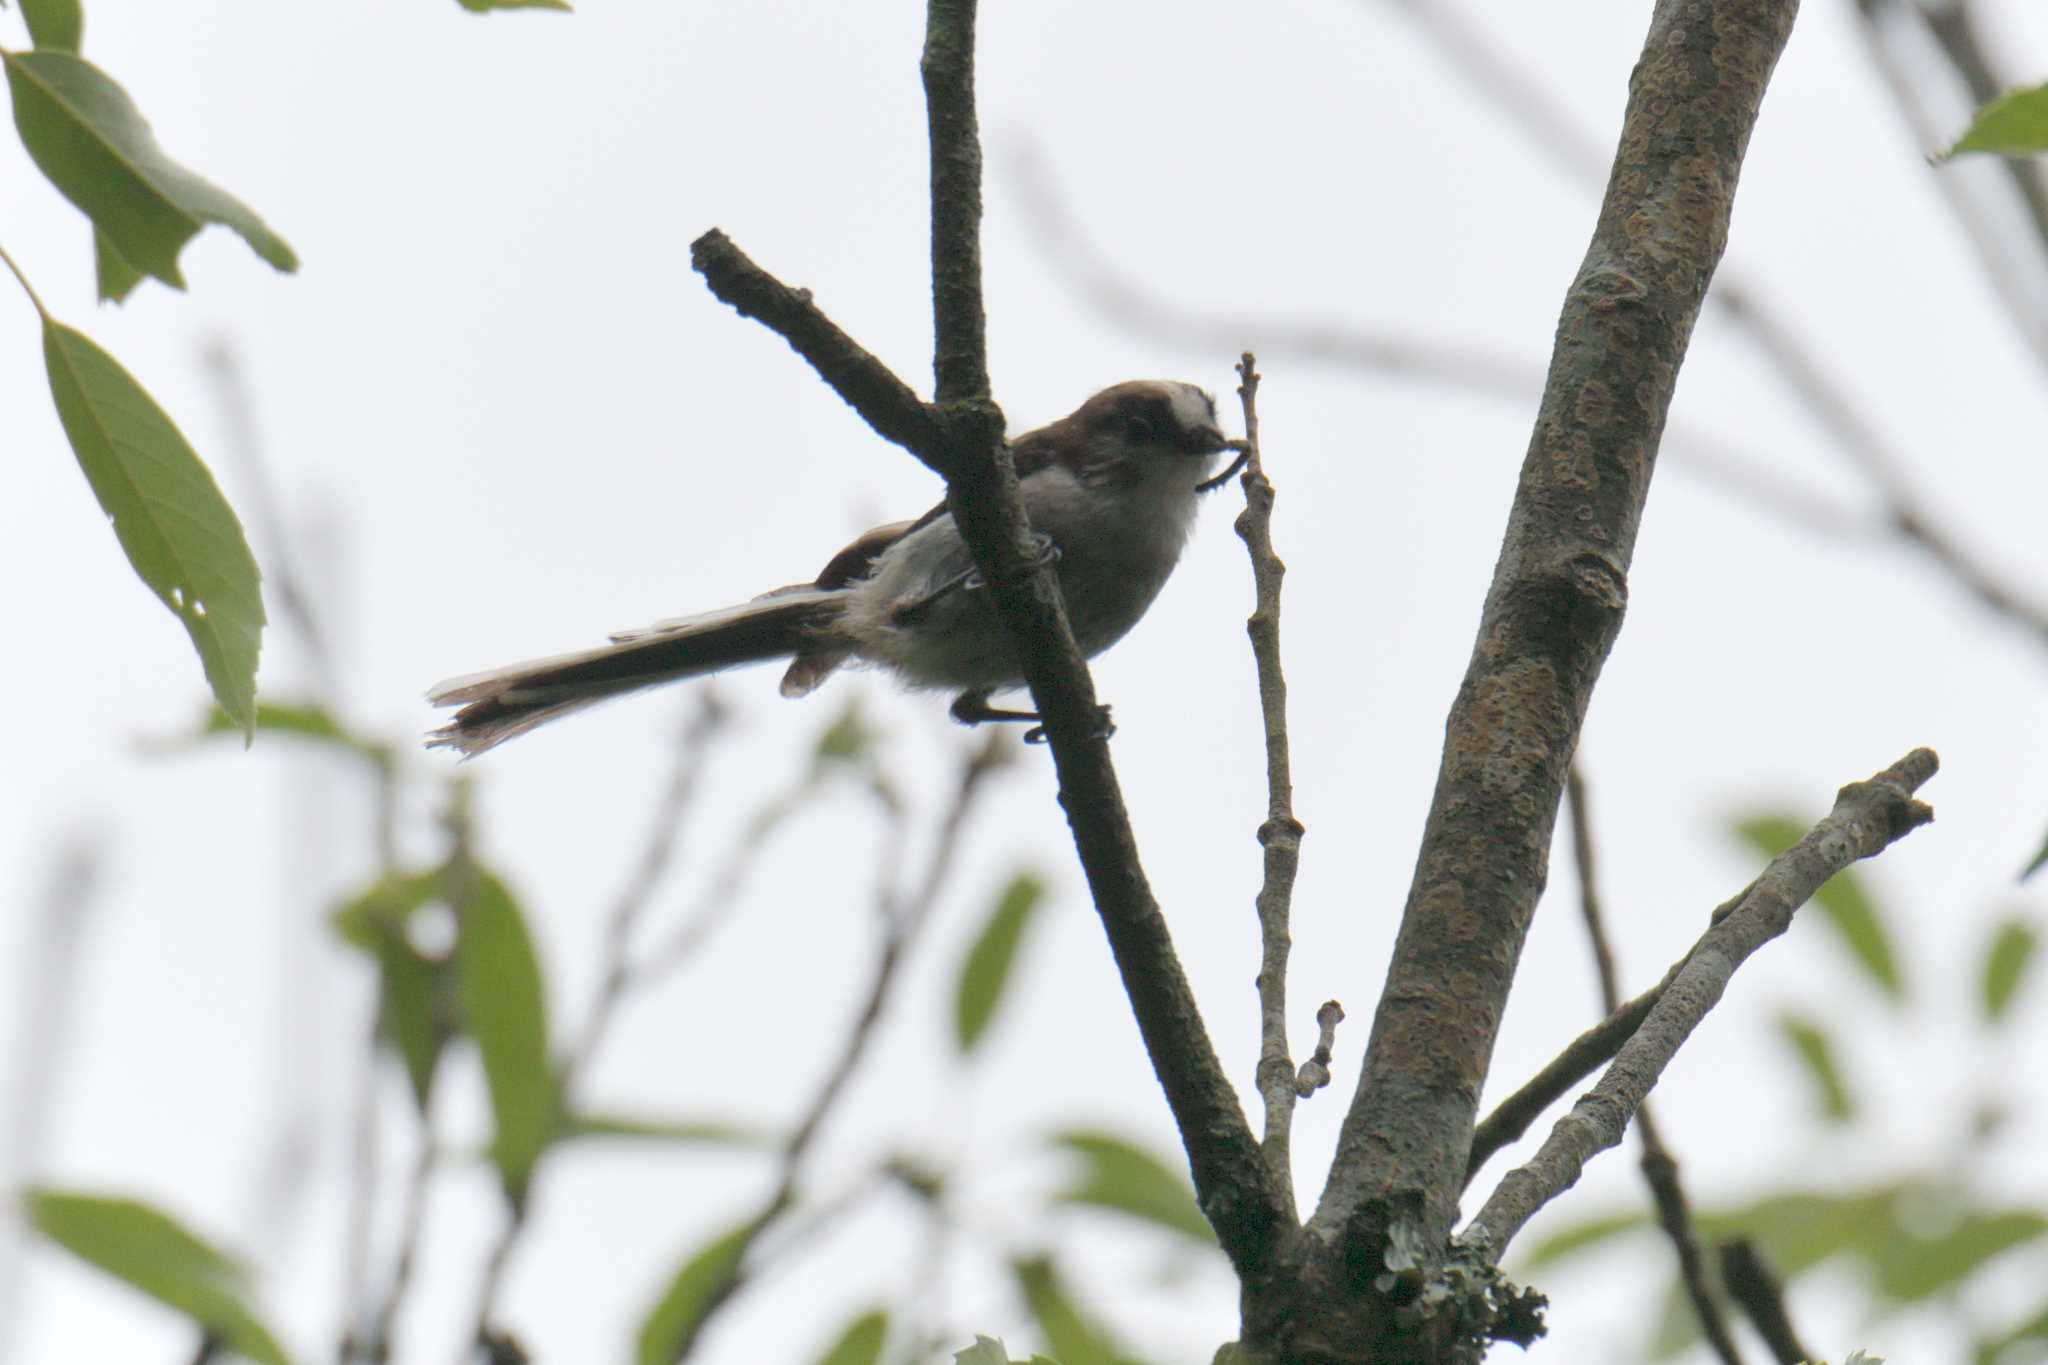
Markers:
point(1867, 818)
point(1280, 833)
point(706, 719)
point(1660, 1169)
point(46, 993)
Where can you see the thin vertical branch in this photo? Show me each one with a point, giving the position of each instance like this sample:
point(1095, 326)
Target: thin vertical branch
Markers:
point(617, 972)
point(46, 992)
point(1660, 1169)
point(960, 324)
point(1280, 833)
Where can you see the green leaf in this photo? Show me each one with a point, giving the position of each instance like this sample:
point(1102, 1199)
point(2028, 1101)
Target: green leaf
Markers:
point(848, 739)
point(1116, 1175)
point(152, 1252)
point(984, 1351)
point(115, 277)
point(672, 1324)
point(1915, 1268)
point(178, 531)
point(705, 1132)
point(861, 1342)
point(2005, 965)
point(87, 136)
point(1842, 900)
point(1816, 1051)
point(2015, 124)
point(298, 720)
point(54, 24)
point(986, 970)
point(1074, 1339)
point(505, 1009)
point(416, 993)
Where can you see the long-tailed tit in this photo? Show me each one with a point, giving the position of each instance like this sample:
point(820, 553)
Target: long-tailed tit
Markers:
point(1110, 490)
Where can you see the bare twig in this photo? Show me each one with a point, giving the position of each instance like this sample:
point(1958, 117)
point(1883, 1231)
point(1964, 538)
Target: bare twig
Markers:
point(2001, 223)
point(705, 722)
point(1585, 1055)
point(901, 920)
point(1752, 1283)
point(721, 897)
point(1493, 76)
point(362, 1186)
point(1551, 615)
point(1867, 817)
point(1660, 1169)
point(46, 992)
point(376, 1347)
point(1280, 833)
point(1953, 25)
point(286, 587)
point(1753, 478)
point(885, 402)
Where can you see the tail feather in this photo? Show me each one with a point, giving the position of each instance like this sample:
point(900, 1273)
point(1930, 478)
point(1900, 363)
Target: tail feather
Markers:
point(507, 702)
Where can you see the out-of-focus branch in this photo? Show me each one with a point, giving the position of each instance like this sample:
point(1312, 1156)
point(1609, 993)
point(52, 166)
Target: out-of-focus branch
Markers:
point(1909, 48)
point(1660, 1168)
point(902, 916)
point(1953, 25)
point(1867, 818)
point(1525, 105)
point(1551, 616)
point(1752, 1284)
point(706, 721)
point(46, 993)
point(1740, 474)
point(1280, 833)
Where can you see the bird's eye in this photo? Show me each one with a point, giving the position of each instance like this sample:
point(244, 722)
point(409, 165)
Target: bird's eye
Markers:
point(1140, 430)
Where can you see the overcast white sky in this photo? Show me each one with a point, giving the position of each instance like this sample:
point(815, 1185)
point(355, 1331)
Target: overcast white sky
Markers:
point(505, 418)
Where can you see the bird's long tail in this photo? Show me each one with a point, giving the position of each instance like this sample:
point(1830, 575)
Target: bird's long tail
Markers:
point(507, 702)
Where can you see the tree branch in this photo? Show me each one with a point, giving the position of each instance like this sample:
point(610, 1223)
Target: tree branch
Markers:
point(1527, 106)
point(962, 438)
point(1280, 833)
point(1550, 617)
point(885, 402)
point(1230, 1181)
point(1867, 818)
point(1660, 1168)
point(1752, 1284)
